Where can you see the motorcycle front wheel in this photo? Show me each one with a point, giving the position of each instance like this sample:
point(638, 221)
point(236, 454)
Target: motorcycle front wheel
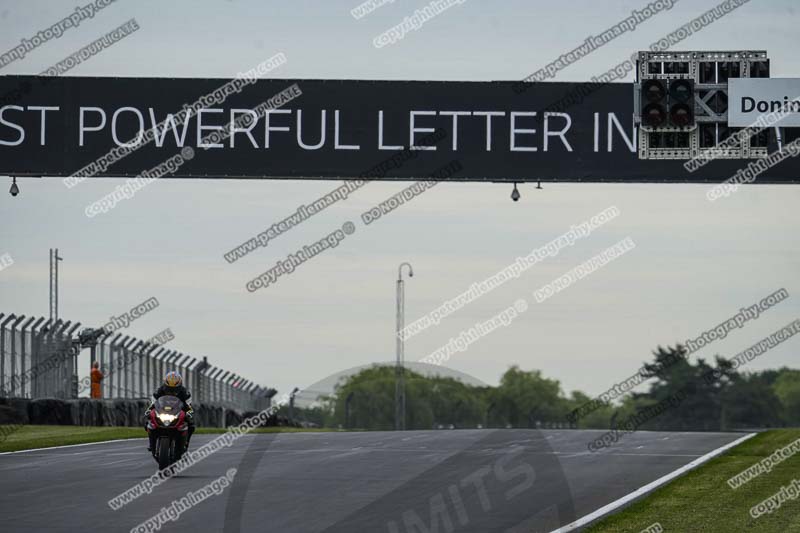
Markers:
point(164, 456)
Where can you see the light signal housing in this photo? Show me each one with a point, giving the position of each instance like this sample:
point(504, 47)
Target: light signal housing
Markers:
point(681, 103)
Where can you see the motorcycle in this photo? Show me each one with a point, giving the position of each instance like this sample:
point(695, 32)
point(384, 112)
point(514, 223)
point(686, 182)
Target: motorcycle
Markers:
point(168, 423)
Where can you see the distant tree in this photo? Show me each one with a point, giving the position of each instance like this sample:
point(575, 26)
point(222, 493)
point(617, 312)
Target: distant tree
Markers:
point(523, 398)
point(318, 415)
point(370, 397)
point(787, 390)
point(750, 402)
point(430, 401)
point(700, 397)
point(597, 419)
point(694, 392)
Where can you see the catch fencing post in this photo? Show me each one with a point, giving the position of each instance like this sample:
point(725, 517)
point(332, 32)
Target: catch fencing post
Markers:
point(191, 376)
point(55, 375)
point(14, 353)
point(246, 398)
point(106, 383)
point(127, 368)
point(235, 390)
point(138, 370)
point(173, 360)
point(147, 372)
point(155, 366)
point(231, 381)
point(131, 360)
point(24, 355)
point(218, 384)
point(215, 373)
point(59, 387)
point(214, 383)
point(181, 365)
point(165, 363)
point(2, 354)
point(3, 351)
point(199, 371)
point(72, 360)
point(223, 380)
point(112, 358)
point(36, 356)
point(119, 364)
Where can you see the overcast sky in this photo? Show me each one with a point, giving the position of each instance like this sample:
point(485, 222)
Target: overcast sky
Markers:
point(695, 262)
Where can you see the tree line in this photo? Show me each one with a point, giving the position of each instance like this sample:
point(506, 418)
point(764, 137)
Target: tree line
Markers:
point(713, 397)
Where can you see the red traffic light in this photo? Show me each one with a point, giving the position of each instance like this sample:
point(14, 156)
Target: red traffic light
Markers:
point(681, 115)
point(654, 115)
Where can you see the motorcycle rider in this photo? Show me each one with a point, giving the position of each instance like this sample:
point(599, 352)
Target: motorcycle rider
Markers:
point(172, 386)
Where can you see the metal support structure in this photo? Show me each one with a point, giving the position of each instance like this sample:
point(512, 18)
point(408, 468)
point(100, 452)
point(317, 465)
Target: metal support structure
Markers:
point(400, 385)
point(709, 73)
point(54, 259)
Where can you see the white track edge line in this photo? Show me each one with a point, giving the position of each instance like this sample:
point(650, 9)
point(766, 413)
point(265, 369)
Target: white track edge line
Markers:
point(98, 442)
point(606, 509)
point(71, 445)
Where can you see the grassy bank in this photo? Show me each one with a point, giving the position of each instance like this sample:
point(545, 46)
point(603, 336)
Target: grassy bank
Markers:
point(702, 500)
point(27, 437)
point(31, 436)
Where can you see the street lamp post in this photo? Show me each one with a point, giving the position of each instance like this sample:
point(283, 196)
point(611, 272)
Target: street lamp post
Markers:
point(400, 386)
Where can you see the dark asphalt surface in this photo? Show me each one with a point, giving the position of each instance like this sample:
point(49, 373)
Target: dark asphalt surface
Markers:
point(467, 480)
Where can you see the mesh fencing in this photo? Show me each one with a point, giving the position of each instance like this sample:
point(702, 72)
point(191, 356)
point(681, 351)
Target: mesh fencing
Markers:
point(39, 359)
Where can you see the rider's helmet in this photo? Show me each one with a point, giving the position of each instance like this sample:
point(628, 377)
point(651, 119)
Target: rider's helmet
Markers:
point(172, 379)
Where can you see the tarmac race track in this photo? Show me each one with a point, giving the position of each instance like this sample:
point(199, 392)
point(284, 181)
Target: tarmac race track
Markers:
point(509, 480)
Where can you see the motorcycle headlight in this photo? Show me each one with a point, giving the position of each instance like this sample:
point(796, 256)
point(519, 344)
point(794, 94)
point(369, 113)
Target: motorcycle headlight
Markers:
point(167, 418)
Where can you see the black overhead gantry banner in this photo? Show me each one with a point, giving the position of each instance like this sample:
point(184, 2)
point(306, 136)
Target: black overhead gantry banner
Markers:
point(270, 128)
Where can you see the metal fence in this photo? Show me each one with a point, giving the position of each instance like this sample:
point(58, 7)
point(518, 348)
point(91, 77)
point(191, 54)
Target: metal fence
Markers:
point(39, 359)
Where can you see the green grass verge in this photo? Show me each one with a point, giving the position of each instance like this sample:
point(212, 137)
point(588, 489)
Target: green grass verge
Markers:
point(32, 436)
point(27, 437)
point(702, 500)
